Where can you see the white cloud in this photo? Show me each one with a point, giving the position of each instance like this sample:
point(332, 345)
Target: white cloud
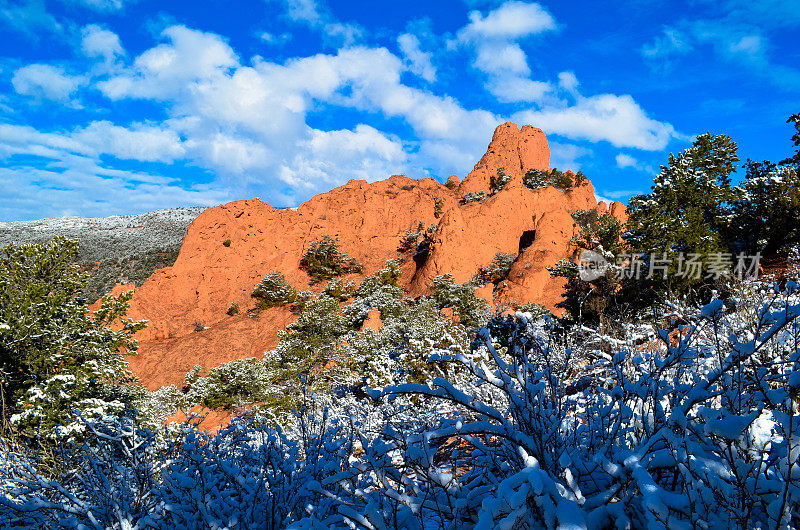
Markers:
point(137, 142)
point(740, 35)
point(512, 20)
point(43, 81)
point(671, 42)
point(618, 120)
point(624, 161)
point(565, 156)
point(493, 38)
point(319, 18)
point(77, 185)
point(518, 89)
point(418, 61)
point(332, 157)
point(568, 81)
point(273, 39)
point(100, 5)
point(97, 42)
point(619, 194)
point(501, 59)
point(29, 17)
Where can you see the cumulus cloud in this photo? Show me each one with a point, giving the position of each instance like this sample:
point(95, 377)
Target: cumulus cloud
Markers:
point(97, 42)
point(43, 81)
point(418, 61)
point(494, 36)
point(249, 124)
point(512, 20)
point(616, 119)
point(318, 17)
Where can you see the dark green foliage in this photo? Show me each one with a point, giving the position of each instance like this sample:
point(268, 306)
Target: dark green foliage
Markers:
point(230, 384)
point(589, 301)
point(767, 218)
point(54, 355)
point(340, 290)
point(409, 240)
point(450, 184)
point(472, 311)
point(273, 290)
point(537, 179)
point(559, 180)
point(388, 276)
point(689, 207)
point(323, 260)
point(134, 268)
point(498, 268)
point(226, 243)
point(499, 181)
point(438, 210)
point(795, 159)
point(309, 347)
point(596, 231)
point(233, 309)
point(477, 196)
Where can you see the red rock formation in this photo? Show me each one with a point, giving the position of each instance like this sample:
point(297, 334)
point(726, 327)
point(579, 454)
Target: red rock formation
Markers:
point(369, 220)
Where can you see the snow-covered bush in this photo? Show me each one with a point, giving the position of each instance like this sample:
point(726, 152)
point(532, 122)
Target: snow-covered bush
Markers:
point(498, 269)
point(273, 290)
point(471, 310)
point(230, 384)
point(340, 290)
point(499, 181)
point(473, 196)
point(698, 430)
point(323, 260)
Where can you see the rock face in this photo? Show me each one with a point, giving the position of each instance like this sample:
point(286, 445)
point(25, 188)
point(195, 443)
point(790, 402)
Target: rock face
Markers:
point(369, 220)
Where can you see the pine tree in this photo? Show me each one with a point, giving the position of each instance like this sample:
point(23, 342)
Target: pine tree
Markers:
point(689, 209)
point(56, 357)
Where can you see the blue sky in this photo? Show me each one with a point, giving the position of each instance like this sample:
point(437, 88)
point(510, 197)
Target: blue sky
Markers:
point(125, 106)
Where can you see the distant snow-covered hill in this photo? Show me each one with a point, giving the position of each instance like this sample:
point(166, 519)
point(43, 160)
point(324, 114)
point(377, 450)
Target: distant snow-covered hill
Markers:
point(116, 249)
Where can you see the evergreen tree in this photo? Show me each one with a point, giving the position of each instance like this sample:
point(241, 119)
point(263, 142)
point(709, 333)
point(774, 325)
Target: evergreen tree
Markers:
point(55, 356)
point(689, 209)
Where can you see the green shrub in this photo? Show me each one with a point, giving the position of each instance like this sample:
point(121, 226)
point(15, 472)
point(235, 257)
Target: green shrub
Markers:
point(230, 384)
point(226, 243)
point(340, 290)
point(499, 181)
point(273, 290)
point(450, 184)
point(233, 309)
point(472, 311)
point(303, 298)
point(438, 210)
point(323, 260)
point(473, 196)
point(537, 179)
point(498, 268)
point(559, 180)
point(409, 240)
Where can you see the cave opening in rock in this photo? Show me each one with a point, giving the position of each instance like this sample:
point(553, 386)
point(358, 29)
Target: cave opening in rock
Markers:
point(526, 239)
